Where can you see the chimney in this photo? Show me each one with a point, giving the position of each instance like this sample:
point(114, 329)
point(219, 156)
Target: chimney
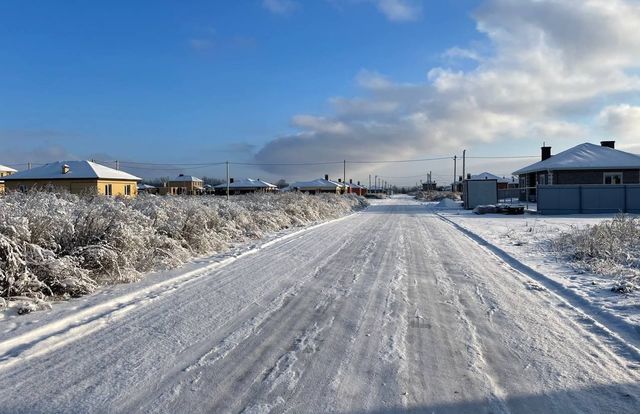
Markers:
point(358, 182)
point(468, 176)
point(65, 169)
point(460, 178)
point(181, 175)
point(608, 144)
point(326, 177)
point(339, 180)
point(546, 152)
point(230, 180)
point(350, 181)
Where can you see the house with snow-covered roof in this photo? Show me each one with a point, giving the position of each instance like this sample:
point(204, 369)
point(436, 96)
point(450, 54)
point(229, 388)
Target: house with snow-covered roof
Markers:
point(76, 177)
point(355, 188)
point(4, 171)
point(244, 186)
point(183, 185)
point(319, 185)
point(583, 164)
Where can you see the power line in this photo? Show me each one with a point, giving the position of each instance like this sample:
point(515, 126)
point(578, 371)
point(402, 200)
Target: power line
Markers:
point(506, 157)
point(400, 161)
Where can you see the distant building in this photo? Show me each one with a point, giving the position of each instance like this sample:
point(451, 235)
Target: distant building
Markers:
point(583, 164)
point(432, 186)
point(76, 177)
point(147, 189)
point(183, 185)
point(4, 171)
point(356, 188)
point(320, 185)
point(244, 186)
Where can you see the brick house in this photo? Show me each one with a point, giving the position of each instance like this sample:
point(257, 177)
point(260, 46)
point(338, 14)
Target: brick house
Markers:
point(183, 185)
point(583, 164)
point(76, 177)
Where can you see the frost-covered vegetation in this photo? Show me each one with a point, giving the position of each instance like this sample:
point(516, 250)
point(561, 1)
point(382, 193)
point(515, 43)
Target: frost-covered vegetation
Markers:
point(437, 195)
point(63, 245)
point(610, 248)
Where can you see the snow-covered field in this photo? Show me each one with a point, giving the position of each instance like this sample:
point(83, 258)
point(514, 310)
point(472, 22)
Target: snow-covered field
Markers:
point(529, 239)
point(391, 309)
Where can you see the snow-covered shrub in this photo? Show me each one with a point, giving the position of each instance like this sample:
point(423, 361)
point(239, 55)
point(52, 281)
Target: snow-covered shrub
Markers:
point(610, 248)
point(65, 245)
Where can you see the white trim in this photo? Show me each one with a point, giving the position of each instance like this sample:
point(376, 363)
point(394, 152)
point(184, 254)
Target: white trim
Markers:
point(612, 174)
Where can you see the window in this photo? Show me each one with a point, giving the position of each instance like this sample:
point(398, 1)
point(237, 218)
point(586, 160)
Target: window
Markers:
point(108, 190)
point(127, 190)
point(613, 178)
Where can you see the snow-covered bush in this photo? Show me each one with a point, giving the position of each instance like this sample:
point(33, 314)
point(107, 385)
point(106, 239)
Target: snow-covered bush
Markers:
point(64, 245)
point(610, 248)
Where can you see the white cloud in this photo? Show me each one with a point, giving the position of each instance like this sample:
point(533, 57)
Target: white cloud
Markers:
point(549, 67)
point(283, 7)
point(400, 10)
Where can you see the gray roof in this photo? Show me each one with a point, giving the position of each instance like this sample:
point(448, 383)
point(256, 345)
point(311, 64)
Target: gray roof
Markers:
point(186, 178)
point(78, 170)
point(585, 157)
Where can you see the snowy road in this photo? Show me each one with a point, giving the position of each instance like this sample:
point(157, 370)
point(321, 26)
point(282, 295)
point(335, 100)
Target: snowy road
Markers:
point(389, 310)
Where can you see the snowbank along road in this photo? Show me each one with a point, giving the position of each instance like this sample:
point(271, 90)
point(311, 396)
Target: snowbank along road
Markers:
point(389, 310)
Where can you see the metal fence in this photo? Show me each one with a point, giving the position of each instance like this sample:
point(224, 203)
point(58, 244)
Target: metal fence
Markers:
point(588, 199)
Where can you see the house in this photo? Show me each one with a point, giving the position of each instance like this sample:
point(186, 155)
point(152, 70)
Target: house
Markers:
point(183, 185)
point(353, 188)
point(320, 185)
point(244, 186)
point(76, 177)
point(4, 171)
point(583, 164)
point(147, 189)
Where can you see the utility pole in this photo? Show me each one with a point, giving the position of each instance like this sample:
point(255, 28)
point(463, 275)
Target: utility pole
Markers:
point(344, 172)
point(117, 165)
point(28, 166)
point(227, 180)
point(464, 164)
point(455, 171)
point(376, 183)
point(369, 181)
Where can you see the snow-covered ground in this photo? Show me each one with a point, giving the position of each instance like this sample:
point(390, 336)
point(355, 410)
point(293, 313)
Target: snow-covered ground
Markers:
point(526, 239)
point(391, 309)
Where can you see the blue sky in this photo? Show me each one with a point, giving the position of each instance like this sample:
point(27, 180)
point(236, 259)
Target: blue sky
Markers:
point(197, 81)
